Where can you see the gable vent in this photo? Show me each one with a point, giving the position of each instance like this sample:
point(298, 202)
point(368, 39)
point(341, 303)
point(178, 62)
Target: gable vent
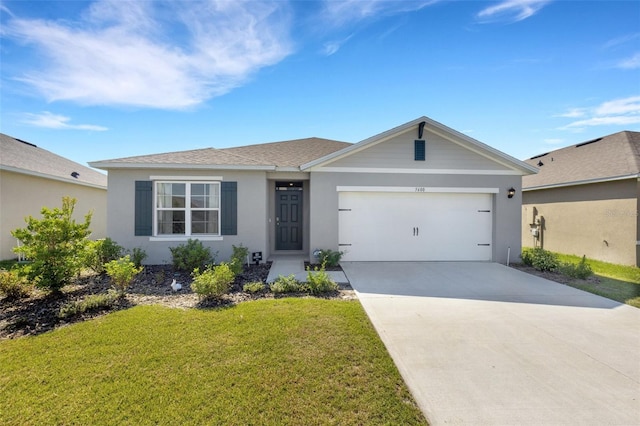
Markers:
point(419, 150)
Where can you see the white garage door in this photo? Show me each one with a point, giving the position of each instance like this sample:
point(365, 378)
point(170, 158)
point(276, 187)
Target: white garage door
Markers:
point(397, 226)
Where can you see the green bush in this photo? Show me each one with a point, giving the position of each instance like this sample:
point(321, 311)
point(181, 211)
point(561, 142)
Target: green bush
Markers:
point(191, 256)
point(254, 287)
point(102, 251)
point(122, 272)
point(287, 284)
point(329, 257)
point(12, 284)
point(540, 259)
point(55, 244)
point(138, 255)
point(238, 259)
point(581, 270)
point(93, 302)
point(318, 281)
point(213, 282)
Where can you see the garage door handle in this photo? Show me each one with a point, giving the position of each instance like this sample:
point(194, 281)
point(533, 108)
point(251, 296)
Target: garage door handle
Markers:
point(417, 232)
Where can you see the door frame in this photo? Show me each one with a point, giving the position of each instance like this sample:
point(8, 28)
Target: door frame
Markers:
point(289, 185)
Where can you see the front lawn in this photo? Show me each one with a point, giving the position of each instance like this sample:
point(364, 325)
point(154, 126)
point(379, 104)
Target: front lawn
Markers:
point(616, 282)
point(282, 361)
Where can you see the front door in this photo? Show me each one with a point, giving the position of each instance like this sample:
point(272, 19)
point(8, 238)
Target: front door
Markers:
point(289, 216)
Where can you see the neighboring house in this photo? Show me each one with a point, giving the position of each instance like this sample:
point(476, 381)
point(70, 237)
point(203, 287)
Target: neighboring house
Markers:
point(584, 199)
point(32, 178)
point(420, 191)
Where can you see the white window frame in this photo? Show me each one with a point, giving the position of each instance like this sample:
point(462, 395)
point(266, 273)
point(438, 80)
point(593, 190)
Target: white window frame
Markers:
point(187, 209)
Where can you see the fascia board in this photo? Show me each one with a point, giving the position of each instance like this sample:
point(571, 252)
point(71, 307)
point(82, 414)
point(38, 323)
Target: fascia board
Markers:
point(109, 166)
point(51, 177)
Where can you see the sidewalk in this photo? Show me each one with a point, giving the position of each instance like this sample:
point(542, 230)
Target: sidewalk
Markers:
point(294, 264)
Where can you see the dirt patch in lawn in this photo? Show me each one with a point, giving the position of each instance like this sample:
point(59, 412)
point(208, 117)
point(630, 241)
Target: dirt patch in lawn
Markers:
point(40, 312)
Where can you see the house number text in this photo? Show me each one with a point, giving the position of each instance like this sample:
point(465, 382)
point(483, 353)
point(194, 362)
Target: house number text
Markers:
point(421, 189)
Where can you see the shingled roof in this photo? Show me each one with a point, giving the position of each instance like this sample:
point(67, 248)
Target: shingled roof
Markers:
point(267, 156)
point(23, 157)
point(611, 157)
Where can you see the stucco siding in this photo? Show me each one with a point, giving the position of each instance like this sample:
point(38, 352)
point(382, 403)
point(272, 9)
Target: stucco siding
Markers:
point(597, 220)
point(24, 195)
point(251, 219)
point(398, 152)
point(324, 204)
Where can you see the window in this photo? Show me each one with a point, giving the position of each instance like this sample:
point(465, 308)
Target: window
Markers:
point(187, 208)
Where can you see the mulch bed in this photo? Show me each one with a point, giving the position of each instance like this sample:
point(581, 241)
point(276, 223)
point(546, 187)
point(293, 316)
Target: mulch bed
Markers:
point(39, 312)
point(552, 275)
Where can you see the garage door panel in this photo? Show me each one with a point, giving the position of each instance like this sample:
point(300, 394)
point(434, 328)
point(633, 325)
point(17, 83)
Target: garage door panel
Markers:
point(415, 226)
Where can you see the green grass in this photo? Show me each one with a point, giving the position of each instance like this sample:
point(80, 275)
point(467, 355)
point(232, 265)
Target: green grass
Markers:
point(284, 361)
point(617, 282)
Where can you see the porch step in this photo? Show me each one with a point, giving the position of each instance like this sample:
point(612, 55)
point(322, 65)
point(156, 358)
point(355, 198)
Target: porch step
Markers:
point(295, 266)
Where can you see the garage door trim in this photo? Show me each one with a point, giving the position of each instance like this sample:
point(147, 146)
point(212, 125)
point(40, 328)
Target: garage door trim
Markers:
point(455, 190)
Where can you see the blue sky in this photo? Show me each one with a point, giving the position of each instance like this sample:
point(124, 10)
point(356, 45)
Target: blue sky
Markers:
point(95, 80)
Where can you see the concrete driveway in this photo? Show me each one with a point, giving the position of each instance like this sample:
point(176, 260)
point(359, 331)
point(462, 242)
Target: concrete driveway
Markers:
point(484, 344)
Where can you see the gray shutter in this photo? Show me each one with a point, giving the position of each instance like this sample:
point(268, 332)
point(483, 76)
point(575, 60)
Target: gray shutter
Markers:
point(144, 208)
point(229, 208)
point(419, 150)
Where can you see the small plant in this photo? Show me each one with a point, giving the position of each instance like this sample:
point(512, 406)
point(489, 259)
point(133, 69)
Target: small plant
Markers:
point(287, 284)
point(93, 302)
point(122, 272)
point(581, 270)
point(318, 281)
point(213, 282)
point(12, 284)
point(191, 256)
point(254, 287)
point(102, 251)
point(238, 259)
point(540, 259)
point(138, 255)
point(328, 257)
point(55, 244)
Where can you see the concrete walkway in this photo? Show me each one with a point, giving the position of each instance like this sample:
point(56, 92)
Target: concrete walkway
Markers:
point(294, 264)
point(483, 344)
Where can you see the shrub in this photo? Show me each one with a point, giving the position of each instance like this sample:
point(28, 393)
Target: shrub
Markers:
point(100, 252)
point(581, 270)
point(55, 244)
point(138, 255)
point(122, 272)
point(318, 281)
point(93, 302)
point(254, 287)
point(238, 259)
point(12, 284)
point(191, 256)
point(329, 257)
point(287, 284)
point(213, 282)
point(540, 259)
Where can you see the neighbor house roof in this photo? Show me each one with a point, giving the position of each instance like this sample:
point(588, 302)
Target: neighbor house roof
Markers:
point(612, 157)
point(269, 156)
point(23, 157)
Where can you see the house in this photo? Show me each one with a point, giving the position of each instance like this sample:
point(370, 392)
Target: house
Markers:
point(32, 178)
point(584, 199)
point(420, 191)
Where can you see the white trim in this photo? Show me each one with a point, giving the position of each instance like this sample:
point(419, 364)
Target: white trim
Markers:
point(52, 177)
point(418, 189)
point(183, 238)
point(108, 166)
point(187, 209)
point(186, 178)
point(582, 182)
point(416, 171)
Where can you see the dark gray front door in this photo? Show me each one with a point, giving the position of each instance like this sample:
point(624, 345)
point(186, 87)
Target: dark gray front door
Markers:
point(289, 219)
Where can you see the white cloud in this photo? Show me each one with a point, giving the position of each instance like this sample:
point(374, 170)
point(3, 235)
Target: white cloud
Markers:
point(55, 121)
point(511, 10)
point(617, 112)
point(345, 12)
point(631, 63)
point(142, 54)
point(331, 47)
point(573, 113)
point(553, 141)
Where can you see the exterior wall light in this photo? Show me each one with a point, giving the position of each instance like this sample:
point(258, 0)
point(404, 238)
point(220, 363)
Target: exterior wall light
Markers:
point(511, 192)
